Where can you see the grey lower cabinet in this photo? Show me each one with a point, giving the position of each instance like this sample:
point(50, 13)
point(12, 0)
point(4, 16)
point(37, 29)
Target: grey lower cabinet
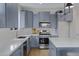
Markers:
point(62, 51)
point(52, 49)
point(24, 49)
point(57, 51)
point(34, 42)
point(67, 51)
point(18, 52)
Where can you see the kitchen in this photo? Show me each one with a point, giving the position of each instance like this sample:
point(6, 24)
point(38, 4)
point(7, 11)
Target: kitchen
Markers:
point(34, 29)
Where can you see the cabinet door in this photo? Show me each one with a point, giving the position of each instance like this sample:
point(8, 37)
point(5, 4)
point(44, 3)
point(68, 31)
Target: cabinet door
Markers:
point(29, 19)
point(2, 15)
point(52, 49)
point(18, 52)
point(34, 42)
point(67, 17)
point(60, 16)
point(22, 19)
point(44, 16)
point(36, 20)
point(11, 15)
point(53, 21)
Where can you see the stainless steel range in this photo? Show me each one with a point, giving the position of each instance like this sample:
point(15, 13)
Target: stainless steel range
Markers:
point(44, 38)
point(44, 34)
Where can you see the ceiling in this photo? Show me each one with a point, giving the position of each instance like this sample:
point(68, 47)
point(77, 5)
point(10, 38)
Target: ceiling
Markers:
point(37, 7)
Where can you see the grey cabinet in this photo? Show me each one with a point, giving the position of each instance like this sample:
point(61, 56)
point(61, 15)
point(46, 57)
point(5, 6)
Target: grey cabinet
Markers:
point(18, 52)
point(34, 42)
point(53, 21)
point(44, 16)
point(52, 49)
point(29, 19)
point(62, 51)
point(11, 15)
point(36, 20)
point(2, 15)
point(68, 16)
point(60, 16)
point(22, 19)
point(40, 17)
point(8, 15)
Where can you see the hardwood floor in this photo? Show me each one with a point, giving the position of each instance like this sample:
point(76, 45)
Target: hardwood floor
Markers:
point(38, 52)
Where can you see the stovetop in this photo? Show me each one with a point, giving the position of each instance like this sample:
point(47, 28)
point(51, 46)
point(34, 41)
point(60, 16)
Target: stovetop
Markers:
point(44, 33)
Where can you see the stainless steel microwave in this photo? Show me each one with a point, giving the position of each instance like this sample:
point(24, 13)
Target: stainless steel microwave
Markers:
point(44, 24)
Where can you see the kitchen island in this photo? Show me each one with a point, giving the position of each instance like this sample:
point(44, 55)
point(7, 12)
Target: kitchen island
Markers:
point(63, 46)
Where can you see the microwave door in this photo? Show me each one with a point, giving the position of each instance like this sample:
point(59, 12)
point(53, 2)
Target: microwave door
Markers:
point(44, 24)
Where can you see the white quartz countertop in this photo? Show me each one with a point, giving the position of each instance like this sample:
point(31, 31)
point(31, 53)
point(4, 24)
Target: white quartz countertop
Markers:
point(8, 47)
point(65, 42)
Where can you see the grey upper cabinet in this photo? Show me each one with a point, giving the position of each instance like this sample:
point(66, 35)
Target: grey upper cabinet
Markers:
point(40, 17)
point(11, 15)
point(53, 21)
point(36, 20)
point(44, 16)
point(22, 19)
point(2, 15)
point(34, 42)
point(29, 19)
point(68, 16)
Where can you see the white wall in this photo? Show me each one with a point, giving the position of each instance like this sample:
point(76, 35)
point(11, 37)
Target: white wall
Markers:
point(62, 29)
point(75, 23)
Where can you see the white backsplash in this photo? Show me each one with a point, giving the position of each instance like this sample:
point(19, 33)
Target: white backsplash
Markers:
point(24, 31)
point(7, 34)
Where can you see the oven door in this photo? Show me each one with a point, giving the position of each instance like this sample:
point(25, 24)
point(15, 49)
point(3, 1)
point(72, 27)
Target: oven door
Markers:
point(43, 42)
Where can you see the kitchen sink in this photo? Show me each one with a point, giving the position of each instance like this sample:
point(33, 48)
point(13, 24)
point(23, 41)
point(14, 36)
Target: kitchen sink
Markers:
point(21, 37)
